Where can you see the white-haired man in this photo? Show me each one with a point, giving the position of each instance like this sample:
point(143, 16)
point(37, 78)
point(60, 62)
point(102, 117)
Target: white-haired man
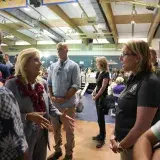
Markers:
point(63, 82)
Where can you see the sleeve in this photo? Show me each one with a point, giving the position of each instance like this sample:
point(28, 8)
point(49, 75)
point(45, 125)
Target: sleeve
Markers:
point(44, 83)
point(13, 131)
point(148, 94)
point(76, 77)
point(7, 72)
point(106, 75)
point(49, 79)
point(156, 130)
point(10, 84)
point(53, 111)
point(97, 74)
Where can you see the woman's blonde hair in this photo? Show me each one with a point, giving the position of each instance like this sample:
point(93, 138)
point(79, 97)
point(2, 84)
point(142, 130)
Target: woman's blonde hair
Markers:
point(141, 48)
point(22, 60)
point(102, 61)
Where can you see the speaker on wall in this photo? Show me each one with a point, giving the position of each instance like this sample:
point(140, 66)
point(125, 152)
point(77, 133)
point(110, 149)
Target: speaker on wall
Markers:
point(87, 41)
point(90, 40)
point(36, 3)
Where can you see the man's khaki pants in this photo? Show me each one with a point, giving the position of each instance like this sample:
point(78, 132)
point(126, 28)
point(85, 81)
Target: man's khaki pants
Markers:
point(127, 155)
point(69, 134)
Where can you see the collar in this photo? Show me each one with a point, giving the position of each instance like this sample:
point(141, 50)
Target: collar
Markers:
point(138, 76)
point(64, 63)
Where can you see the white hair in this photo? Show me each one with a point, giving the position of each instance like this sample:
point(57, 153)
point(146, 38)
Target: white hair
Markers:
point(119, 80)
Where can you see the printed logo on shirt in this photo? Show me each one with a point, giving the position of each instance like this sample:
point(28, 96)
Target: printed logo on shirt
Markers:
point(133, 88)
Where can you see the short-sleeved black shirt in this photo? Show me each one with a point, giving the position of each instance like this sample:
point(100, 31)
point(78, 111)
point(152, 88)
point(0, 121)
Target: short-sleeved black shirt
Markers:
point(99, 80)
point(143, 90)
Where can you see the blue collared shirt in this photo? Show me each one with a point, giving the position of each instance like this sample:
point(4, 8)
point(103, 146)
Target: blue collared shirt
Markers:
point(63, 77)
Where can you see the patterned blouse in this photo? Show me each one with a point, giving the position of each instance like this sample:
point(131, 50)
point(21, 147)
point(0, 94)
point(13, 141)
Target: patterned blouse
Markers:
point(12, 140)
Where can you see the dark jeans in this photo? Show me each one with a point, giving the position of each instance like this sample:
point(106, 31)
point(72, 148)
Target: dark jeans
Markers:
point(101, 120)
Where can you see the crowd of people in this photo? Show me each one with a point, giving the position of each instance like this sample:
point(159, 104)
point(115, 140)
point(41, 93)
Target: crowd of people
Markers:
point(31, 106)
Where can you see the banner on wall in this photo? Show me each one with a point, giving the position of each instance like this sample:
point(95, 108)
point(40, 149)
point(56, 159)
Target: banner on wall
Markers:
point(4, 4)
point(57, 1)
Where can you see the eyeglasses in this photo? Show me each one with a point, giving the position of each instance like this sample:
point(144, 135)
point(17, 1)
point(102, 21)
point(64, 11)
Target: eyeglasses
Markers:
point(127, 54)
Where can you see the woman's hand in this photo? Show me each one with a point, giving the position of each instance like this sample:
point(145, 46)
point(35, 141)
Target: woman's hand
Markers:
point(67, 121)
point(37, 117)
point(93, 93)
point(94, 98)
point(113, 145)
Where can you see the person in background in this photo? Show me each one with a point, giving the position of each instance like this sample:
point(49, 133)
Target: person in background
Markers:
point(140, 99)
point(34, 103)
point(115, 74)
point(3, 68)
point(13, 145)
point(63, 83)
point(15, 58)
point(99, 93)
point(155, 62)
point(144, 147)
point(119, 87)
point(111, 86)
point(121, 73)
point(1, 39)
point(7, 61)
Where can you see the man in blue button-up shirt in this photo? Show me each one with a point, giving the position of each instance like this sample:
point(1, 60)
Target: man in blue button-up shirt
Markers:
point(63, 82)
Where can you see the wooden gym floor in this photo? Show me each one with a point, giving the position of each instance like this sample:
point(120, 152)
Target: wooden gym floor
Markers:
point(85, 148)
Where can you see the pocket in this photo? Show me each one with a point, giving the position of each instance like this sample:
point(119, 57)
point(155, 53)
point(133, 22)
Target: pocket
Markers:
point(68, 76)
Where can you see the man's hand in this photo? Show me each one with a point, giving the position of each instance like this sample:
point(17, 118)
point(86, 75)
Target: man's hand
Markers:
point(58, 100)
point(67, 121)
point(61, 100)
point(94, 98)
point(37, 117)
point(54, 99)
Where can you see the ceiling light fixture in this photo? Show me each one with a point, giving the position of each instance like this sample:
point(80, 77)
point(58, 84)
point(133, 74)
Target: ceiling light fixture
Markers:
point(27, 9)
point(83, 15)
point(4, 21)
point(40, 18)
point(133, 14)
point(9, 37)
point(75, 4)
point(133, 22)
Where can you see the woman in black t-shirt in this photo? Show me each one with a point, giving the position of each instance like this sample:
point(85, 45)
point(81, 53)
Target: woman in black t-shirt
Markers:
point(138, 104)
point(102, 82)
